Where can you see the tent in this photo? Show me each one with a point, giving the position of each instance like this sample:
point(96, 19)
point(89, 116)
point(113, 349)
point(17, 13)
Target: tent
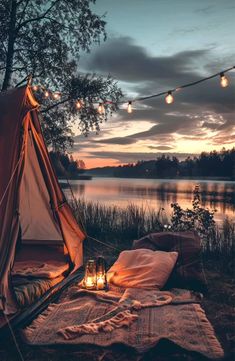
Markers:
point(34, 214)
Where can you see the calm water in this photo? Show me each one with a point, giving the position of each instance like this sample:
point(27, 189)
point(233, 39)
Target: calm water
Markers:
point(156, 193)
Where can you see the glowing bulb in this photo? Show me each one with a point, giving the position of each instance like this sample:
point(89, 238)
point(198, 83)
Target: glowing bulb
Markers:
point(35, 87)
point(46, 94)
point(129, 108)
point(169, 98)
point(78, 104)
point(101, 108)
point(223, 80)
point(56, 95)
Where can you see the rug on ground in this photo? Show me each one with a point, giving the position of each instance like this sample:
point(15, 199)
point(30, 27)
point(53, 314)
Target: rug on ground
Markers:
point(129, 317)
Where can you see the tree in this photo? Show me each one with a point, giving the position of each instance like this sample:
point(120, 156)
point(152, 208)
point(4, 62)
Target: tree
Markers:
point(44, 38)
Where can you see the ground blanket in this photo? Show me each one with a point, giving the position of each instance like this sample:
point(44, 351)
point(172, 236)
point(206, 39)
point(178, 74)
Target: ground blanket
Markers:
point(138, 319)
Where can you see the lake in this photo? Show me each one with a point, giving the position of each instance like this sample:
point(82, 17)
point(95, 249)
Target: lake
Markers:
point(156, 193)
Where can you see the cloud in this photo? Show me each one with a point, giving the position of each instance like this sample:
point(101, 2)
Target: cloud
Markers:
point(205, 10)
point(204, 112)
point(129, 62)
point(224, 140)
point(116, 140)
point(160, 147)
point(129, 157)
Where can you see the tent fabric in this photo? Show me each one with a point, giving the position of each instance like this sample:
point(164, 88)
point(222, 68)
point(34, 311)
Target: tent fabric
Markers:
point(31, 199)
point(33, 184)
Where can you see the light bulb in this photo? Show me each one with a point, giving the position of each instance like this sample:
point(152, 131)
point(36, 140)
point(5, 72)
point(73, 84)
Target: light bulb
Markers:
point(35, 87)
point(169, 98)
point(78, 104)
point(56, 95)
point(46, 94)
point(101, 108)
point(223, 80)
point(129, 108)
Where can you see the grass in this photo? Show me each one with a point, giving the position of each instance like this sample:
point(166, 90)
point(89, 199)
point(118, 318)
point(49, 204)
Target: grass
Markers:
point(119, 227)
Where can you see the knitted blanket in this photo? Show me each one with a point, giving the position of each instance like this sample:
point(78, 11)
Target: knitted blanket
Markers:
point(129, 317)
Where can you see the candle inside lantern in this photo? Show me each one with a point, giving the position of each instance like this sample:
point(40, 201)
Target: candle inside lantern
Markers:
point(100, 283)
point(90, 275)
point(90, 282)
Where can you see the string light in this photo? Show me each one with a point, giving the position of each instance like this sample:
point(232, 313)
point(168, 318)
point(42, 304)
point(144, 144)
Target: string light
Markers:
point(129, 107)
point(101, 108)
point(223, 80)
point(169, 98)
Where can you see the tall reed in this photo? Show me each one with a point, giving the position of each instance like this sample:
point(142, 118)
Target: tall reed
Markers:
point(118, 227)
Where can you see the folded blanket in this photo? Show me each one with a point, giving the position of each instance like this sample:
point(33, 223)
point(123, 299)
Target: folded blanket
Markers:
point(39, 269)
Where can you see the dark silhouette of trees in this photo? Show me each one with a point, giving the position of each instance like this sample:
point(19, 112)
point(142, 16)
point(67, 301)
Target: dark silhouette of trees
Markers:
point(212, 164)
point(66, 166)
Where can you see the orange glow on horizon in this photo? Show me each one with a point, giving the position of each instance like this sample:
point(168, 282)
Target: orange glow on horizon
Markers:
point(97, 162)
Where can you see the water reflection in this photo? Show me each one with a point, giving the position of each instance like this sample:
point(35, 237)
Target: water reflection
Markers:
point(156, 193)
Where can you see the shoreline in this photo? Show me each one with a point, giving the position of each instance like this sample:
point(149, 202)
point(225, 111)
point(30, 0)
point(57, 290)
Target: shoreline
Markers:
point(227, 179)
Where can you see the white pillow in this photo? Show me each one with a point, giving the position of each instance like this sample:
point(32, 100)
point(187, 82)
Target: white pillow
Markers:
point(142, 268)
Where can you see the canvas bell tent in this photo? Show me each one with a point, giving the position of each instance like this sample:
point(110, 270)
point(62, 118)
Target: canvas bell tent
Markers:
point(40, 240)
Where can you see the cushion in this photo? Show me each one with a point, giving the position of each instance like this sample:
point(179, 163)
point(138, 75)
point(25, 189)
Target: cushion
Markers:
point(188, 272)
point(142, 268)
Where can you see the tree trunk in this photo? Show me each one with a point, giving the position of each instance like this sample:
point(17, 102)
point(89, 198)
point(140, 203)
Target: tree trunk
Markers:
point(10, 46)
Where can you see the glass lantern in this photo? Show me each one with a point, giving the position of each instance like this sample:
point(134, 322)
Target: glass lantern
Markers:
point(89, 280)
point(101, 281)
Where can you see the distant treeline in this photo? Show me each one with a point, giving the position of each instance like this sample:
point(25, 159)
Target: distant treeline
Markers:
point(65, 165)
point(213, 164)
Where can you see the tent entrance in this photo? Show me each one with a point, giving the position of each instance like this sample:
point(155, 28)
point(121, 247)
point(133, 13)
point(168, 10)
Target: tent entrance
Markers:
point(37, 221)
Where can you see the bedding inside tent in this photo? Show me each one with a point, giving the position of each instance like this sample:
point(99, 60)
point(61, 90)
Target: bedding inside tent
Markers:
point(36, 269)
point(29, 290)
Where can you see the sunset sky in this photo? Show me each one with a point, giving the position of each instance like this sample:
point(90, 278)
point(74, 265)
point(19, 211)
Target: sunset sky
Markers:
point(156, 45)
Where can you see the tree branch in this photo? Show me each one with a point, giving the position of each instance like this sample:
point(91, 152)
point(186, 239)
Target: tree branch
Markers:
point(23, 11)
point(40, 17)
point(20, 2)
point(21, 82)
point(56, 105)
point(4, 46)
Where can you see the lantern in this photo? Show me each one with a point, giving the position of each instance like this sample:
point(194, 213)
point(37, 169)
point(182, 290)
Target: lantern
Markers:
point(89, 280)
point(101, 280)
